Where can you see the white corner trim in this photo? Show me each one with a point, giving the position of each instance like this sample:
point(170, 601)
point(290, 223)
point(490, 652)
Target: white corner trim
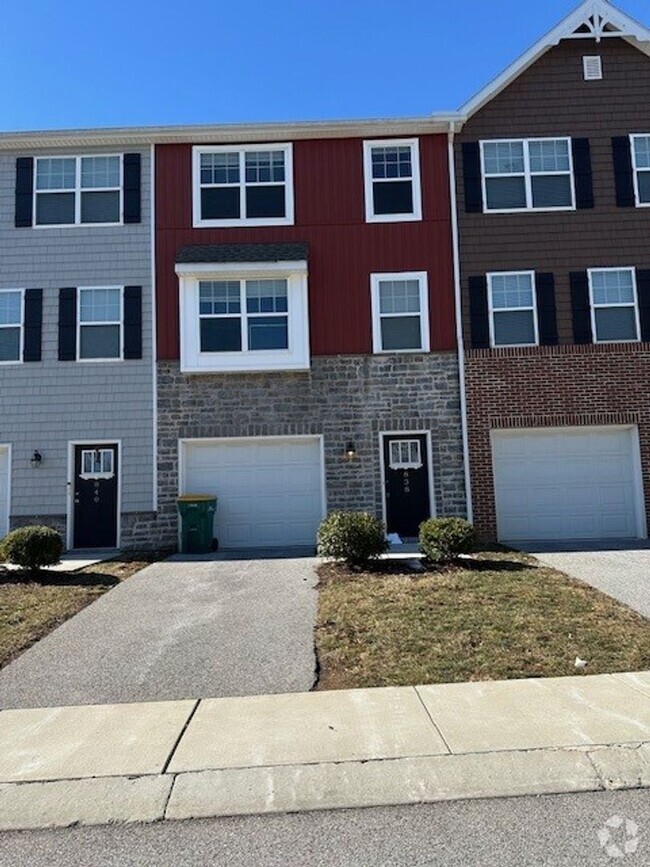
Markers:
point(7, 448)
point(416, 183)
point(626, 27)
point(458, 311)
point(423, 282)
point(154, 324)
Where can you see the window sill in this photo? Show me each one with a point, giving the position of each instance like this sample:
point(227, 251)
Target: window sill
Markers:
point(421, 351)
point(252, 223)
point(78, 225)
point(512, 345)
point(248, 364)
point(394, 218)
point(564, 208)
point(9, 363)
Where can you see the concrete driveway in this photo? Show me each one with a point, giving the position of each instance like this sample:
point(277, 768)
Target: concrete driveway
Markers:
point(620, 569)
point(179, 629)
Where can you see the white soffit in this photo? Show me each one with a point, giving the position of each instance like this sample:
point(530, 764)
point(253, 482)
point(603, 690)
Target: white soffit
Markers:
point(592, 20)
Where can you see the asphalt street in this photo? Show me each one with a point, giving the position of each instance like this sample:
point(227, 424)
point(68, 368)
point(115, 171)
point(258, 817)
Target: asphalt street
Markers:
point(553, 831)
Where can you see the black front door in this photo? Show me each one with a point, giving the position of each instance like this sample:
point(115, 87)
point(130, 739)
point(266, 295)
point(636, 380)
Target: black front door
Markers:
point(95, 496)
point(406, 465)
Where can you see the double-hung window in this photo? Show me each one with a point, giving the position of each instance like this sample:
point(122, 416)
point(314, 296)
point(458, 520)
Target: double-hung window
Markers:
point(513, 309)
point(392, 180)
point(243, 315)
point(11, 325)
point(400, 310)
point(72, 191)
point(527, 174)
point(614, 309)
point(641, 166)
point(243, 186)
point(100, 323)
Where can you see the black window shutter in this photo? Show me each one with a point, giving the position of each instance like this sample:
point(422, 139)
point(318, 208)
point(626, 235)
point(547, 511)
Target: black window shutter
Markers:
point(132, 322)
point(546, 313)
point(24, 191)
point(622, 154)
point(132, 172)
point(33, 324)
point(643, 293)
point(472, 177)
point(479, 313)
point(67, 324)
point(580, 307)
point(582, 172)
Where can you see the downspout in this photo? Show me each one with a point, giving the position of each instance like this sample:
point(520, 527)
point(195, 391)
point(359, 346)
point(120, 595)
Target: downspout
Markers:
point(459, 317)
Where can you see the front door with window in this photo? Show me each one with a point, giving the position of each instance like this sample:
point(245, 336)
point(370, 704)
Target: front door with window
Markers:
point(95, 496)
point(406, 466)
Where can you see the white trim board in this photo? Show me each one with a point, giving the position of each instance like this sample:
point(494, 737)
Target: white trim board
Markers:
point(8, 449)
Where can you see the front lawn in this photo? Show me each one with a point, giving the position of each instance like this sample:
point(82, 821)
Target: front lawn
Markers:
point(32, 606)
point(503, 617)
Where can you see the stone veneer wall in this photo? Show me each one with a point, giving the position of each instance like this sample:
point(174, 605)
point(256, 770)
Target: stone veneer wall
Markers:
point(342, 397)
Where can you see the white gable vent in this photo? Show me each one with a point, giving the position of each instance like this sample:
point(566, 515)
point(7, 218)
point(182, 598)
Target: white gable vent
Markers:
point(592, 67)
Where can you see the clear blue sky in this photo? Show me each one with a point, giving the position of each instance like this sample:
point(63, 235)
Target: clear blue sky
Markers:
point(132, 62)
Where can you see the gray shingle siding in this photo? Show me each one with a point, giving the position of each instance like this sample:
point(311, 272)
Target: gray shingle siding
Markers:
point(47, 404)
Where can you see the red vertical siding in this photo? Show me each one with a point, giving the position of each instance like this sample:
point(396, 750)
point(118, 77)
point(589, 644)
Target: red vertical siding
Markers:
point(344, 249)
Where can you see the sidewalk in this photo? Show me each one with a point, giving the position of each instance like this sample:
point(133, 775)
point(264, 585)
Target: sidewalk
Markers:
point(285, 753)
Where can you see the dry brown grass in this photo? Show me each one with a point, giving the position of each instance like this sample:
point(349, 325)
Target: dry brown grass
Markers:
point(501, 618)
point(33, 605)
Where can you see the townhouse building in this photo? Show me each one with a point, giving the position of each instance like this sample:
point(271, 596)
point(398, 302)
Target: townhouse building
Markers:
point(553, 189)
point(307, 355)
point(76, 351)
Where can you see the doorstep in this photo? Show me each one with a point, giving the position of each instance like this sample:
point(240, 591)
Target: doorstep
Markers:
point(324, 750)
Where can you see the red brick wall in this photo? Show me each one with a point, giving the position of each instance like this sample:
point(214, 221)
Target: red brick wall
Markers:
point(552, 387)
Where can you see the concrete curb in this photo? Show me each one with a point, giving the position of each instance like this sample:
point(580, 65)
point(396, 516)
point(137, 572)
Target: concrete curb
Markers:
point(328, 786)
point(101, 764)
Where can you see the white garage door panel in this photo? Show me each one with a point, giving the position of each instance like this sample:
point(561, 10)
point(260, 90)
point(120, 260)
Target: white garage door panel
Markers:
point(578, 483)
point(4, 492)
point(270, 491)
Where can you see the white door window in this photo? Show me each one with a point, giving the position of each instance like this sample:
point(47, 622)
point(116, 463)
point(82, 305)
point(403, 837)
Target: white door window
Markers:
point(97, 463)
point(405, 455)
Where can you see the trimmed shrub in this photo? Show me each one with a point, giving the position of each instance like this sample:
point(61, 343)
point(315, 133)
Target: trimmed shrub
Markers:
point(355, 537)
point(32, 547)
point(443, 539)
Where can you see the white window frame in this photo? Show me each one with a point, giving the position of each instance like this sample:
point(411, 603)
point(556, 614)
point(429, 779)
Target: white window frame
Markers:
point(244, 316)
point(636, 170)
point(593, 306)
point(81, 324)
point(77, 190)
point(492, 309)
point(242, 150)
point(295, 357)
point(100, 475)
point(527, 175)
point(414, 145)
point(404, 465)
point(21, 325)
point(375, 281)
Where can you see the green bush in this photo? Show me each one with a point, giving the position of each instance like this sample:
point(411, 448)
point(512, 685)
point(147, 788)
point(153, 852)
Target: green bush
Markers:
point(443, 539)
point(355, 537)
point(32, 547)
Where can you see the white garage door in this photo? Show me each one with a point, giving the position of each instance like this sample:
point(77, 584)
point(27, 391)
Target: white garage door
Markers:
point(270, 490)
point(572, 483)
point(4, 491)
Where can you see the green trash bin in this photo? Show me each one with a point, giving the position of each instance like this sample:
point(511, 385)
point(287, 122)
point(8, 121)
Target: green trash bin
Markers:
point(197, 522)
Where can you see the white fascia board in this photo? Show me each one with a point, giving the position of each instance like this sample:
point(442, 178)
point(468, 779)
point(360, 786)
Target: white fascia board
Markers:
point(631, 30)
point(227, 133)
point(192, 269)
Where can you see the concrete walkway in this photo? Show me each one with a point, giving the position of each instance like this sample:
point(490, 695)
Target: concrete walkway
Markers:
point(177, 629)
point(323, 750)
point(620, 569)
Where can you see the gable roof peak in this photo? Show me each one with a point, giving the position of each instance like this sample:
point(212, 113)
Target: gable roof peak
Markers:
point(591, 20)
